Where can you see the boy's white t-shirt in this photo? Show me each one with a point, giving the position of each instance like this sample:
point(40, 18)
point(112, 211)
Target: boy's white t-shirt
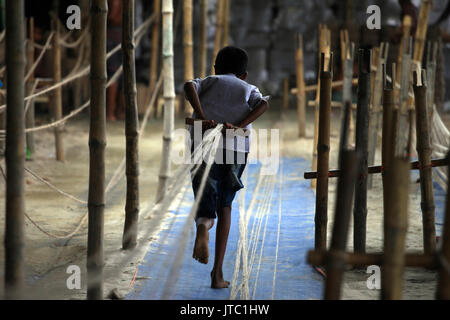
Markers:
point(226, 98)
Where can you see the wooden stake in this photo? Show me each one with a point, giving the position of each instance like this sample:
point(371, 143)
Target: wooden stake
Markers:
point(188, 42)
point(97, 144)
point(219, 31)
point(323, 152)
point(131, 127)
point(362, 145)
point(301, 94)
point(202, 57)
point(15, 146)
point(30, 113)
point(443, 289)
point(395, 226)
point(169, 97)
point(57, 93)
point(424, 154)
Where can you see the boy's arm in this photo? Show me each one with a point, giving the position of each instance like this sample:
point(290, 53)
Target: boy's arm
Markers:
point(192, 97)
point(254, 114)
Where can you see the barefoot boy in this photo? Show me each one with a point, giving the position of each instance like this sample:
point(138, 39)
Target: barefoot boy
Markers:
point(223, 98)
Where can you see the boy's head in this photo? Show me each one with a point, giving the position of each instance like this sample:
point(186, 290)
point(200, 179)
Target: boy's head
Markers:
point(232, 60)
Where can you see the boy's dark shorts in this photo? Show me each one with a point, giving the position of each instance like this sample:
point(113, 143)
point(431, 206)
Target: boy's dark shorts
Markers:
point(223, 181)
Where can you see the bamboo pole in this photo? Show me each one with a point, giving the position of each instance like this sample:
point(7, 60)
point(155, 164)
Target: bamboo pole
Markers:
point(97, 145)
point(379, 169)
point(324, 48)
point(376, 110)
point(29, 117)
point(335, 263)
point(301, 95)
point(203, 26)
point(2, 9)
point(362, 145)
point(154, 57)
point(443, 289)
point(15, 145)
point(424, 154)
point(421, 32)
point(129, 239)
point(57, 93)
point(219, 31)
point(395, 226)
point(226, 23)
point(169, 97)
point(188, 45)
point(323, 152)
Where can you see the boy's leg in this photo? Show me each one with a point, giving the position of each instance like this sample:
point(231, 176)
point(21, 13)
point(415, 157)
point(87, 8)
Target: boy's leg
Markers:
point(222, 231)
point(201, 246)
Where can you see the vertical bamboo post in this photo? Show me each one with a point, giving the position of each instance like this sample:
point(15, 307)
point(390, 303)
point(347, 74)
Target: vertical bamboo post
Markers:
point(169, 97)
point(188, 43)
point(226, 23)
point(301, 95)
point(443, 289)
point(423, 148)
point(15, 146)
point(97, 145)
point(324, 48)
point(131, 127)
point(203, 50)
point(362, 145)
point(2, 8)
point(335, 265)
point(57, 93)
point(30, 113)
point(154, 57)
point(323, 152)
point(421, 32)
point(219, 31)
point(395, 226)
point(376, 110)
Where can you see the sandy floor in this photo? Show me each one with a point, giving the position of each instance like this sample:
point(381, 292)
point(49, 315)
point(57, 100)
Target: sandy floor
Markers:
point(47, 258)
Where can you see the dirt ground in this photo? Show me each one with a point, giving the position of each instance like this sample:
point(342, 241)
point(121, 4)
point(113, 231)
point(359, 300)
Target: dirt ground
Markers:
point(47, 258)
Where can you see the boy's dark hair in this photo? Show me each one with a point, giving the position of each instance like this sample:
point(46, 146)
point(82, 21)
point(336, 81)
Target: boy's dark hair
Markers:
point(232, 60)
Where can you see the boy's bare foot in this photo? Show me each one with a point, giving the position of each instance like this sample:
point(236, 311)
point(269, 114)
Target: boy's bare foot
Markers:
point(217, 281)
point(201, 248)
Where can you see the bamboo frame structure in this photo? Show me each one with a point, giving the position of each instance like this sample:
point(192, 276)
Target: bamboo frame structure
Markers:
point(129, 239)
point(97, 145)
point(323, 152)
point(188, 46)
point(57, 93)
point(203, 45)
point(15, 145)
point(219, 31)
point(423, 148)
point(169, 97)
point(301, 94)
point(362, 145)
point(29, 116)
point(443, 289)
point(154, 57)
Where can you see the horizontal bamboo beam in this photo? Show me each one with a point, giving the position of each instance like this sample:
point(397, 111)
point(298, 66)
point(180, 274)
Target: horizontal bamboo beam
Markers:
point(379, 169)
point(429, 261)
point(334, 84)
point(334, 104)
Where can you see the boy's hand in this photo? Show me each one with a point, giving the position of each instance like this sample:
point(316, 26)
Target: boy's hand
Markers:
point(228, 125)
point(208, 124)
